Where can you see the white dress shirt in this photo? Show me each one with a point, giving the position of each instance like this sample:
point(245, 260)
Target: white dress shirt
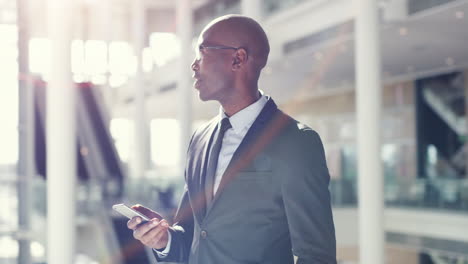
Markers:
point(241, 123)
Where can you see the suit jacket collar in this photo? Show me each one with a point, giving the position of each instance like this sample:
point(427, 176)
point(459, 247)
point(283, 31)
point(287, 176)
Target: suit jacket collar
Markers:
point(245, 117)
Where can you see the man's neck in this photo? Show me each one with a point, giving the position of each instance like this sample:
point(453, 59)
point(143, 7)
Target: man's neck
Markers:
point(231, 108)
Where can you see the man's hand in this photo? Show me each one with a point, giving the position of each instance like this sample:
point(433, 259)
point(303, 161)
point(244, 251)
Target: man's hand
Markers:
point(153, 233)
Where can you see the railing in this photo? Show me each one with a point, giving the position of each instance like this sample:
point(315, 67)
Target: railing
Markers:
point(159, 193)
point(434, 194)
point(162, 194)
point(438, 193)
point(89, 198)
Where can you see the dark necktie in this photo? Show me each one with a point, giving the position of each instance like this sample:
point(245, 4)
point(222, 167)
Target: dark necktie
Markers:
point(213, 158)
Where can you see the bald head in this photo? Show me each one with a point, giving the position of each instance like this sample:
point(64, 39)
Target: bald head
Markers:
point(231, 52)
point(242, 31)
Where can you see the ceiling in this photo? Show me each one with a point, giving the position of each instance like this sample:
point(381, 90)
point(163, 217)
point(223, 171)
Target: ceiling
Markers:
point(426, 43)
point(93, 16)
point(421, 45)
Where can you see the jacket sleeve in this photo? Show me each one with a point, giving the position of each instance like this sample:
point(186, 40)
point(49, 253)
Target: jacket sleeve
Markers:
point(181, 233)
point(307, 201)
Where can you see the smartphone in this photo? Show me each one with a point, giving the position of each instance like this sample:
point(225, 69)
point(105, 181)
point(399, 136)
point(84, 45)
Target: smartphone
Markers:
point(129, 212)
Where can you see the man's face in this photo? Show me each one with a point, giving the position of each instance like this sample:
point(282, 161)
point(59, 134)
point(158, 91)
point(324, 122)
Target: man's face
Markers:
point(212, 67)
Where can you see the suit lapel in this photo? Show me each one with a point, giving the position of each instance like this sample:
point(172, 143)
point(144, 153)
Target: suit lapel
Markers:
point(241, 157)
point(198, 170)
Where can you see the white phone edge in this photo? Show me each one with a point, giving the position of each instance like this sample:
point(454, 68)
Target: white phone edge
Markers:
point(128, 212)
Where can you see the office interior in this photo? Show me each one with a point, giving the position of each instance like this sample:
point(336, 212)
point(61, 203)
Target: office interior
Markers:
point(117, 129)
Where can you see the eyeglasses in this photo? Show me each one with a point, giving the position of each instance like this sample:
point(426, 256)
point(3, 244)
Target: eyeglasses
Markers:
point(201, 49)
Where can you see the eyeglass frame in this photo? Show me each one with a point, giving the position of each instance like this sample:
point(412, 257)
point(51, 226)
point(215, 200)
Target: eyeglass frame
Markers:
point(216, 47)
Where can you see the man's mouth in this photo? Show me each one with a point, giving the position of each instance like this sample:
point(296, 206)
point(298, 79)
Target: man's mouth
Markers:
point(196, 83)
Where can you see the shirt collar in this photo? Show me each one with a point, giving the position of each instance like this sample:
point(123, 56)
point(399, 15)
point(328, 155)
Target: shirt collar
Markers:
point(245, 117)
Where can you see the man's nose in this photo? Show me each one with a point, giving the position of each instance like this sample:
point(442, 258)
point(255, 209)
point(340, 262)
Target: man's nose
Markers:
point(194, 65)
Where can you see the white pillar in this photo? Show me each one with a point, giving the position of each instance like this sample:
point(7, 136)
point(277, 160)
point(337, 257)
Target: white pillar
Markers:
point(141, 144)
point(252, 8)
point(465, 75)
point(184, 85)
point(26, 164)
point(368, 103)
point(61, 140)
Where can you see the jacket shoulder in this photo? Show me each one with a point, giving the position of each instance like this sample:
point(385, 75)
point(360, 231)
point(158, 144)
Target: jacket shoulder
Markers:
point(298, 136)
point(295, 127)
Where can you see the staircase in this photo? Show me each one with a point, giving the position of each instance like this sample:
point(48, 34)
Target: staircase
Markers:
point(446, 97)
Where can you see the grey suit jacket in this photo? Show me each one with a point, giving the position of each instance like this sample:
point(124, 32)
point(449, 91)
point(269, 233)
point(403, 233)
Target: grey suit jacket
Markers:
point(272, 202)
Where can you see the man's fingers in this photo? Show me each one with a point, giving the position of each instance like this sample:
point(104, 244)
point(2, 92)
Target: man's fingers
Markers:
point(148, 212)
point(160, 240)
point(144, 228)
point(153, 236)
point(134, 222)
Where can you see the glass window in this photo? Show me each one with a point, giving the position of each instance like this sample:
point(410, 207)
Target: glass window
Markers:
point(95, 57)
point(164, 47)
point(122, 131)
point(165, 142)
point(120, 54)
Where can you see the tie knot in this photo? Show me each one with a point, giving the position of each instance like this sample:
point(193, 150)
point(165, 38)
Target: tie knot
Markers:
point(225, 125)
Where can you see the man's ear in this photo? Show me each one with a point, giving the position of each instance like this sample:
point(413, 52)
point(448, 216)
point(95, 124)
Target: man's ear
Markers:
point(239, 59)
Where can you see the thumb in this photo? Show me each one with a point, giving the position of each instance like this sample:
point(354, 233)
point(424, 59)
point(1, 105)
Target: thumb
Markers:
point(146, 211)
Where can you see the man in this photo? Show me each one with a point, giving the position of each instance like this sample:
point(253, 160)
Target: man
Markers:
point(256, 179)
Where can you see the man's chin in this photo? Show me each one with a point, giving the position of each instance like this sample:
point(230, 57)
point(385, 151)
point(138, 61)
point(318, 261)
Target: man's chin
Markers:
point(203, 97)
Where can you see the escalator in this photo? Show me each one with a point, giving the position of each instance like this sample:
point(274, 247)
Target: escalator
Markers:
point(102, 235)
point(441, 125)
point(441, 140)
